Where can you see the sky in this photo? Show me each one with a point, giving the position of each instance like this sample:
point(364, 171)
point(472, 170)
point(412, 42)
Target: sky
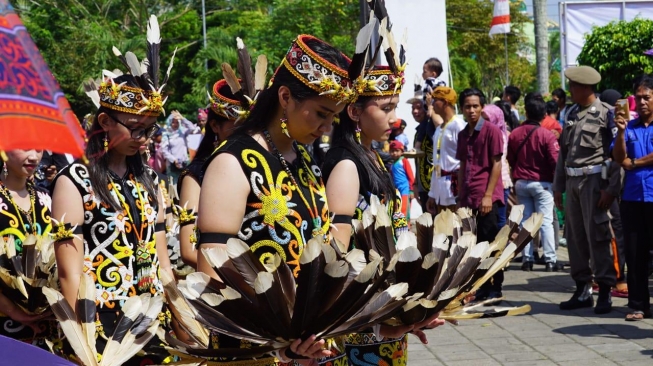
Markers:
point(551, 9)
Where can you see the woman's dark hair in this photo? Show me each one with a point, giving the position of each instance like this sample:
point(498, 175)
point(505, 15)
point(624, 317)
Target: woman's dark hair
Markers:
point(98, 167)
point(344, 135)
point(535, 107)
point(508, 116)
point(551, 107)
point(268, 101)
point(470, 92)
point(560, 94)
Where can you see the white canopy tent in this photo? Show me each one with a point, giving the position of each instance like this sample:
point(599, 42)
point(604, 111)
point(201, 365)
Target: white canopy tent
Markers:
point(578, 18)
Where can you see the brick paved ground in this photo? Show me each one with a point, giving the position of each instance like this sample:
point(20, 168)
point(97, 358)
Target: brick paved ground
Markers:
point(546, 336)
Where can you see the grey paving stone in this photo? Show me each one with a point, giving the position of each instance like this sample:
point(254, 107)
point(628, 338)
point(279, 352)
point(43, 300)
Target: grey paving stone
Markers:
point(519, 356)
point(531, 363)
point(592, 362)
point(420, 355)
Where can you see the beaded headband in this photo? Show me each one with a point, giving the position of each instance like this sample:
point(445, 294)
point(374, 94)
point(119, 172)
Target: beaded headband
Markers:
point(146, 98)
point(317, 73)
point(226, 107)
point(381, 81)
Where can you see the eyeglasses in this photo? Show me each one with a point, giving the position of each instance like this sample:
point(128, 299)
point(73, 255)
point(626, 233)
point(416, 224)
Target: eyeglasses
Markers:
point(137, 133)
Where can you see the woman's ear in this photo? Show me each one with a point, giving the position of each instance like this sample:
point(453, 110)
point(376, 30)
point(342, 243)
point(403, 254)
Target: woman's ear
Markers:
point(104, 121)
point(284, 96)
point(354, 112)
point(213, 124)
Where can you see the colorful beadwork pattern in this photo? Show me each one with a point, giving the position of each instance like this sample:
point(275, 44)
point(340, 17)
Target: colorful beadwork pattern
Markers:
point(31, 103)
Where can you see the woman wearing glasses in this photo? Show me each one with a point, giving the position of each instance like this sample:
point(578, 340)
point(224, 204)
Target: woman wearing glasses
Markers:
point(116, 206)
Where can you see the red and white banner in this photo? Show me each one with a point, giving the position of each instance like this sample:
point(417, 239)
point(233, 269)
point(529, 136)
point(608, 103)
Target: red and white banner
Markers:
point(501, 18)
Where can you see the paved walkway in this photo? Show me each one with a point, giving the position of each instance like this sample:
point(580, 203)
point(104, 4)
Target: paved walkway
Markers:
point(546, 336)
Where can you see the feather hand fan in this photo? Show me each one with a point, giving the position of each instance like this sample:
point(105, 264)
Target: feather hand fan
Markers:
point(133, 331)
point(334, 294)
point(23, 276)
point(442, 263)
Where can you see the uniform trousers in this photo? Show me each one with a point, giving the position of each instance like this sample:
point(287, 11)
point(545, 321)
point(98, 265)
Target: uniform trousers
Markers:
point(587, 231)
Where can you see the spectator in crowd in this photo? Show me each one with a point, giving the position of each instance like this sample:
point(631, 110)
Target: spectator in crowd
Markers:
point(480, 147)
point(633, 149)
point(611, 96)
point(591, 185)
point(157, 160)
point(431, 72)
point(398, 134)
point(202, 117)
point(174, 147)
point(423, 142)
point(444, 179)
point(508, 116)
point(493, 114)
point(511, 94)
point(402, 176)
point(532, 155)
point(51, 163)
point(550, 121)
point(560, 97)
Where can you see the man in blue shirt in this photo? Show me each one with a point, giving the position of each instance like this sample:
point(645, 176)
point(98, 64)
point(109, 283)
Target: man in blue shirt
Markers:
point(633, 149)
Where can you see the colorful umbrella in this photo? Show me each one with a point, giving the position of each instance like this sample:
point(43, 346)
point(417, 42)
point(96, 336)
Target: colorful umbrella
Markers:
point(13, 352)
point(34, 114)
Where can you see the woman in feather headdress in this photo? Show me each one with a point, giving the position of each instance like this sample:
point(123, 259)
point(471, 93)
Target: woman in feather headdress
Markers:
point(24, 211)
point(261, 185)
point(111, 211)
point(221, 117)
point(354, 172)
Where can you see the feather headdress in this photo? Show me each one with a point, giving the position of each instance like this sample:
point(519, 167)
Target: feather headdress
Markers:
point(234, 97)
point(23, 276)
point(369, 79)
point(145, 98)
point(133, 330)
point(334, 294)
point(442, 263)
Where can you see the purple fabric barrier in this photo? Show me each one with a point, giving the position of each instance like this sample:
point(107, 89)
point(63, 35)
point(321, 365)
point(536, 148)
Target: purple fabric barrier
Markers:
point(13, 352)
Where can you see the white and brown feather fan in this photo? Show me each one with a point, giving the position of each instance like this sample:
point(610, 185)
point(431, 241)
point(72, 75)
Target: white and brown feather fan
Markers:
point(443, 263)
point(133, 330)
point(333, 294)
point(23, 276)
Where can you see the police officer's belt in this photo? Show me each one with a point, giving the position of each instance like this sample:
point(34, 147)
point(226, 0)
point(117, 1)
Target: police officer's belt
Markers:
point(586, 170)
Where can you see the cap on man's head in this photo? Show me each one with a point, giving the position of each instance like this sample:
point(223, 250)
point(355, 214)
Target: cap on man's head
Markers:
point(585, 75)
point(419, 95)
point(396, 145)
point(445, 93)
point(400, 123)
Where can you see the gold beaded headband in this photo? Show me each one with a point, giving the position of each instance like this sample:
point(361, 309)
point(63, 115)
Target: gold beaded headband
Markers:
point(146, 98)
point(381, 81)
point(317, 73)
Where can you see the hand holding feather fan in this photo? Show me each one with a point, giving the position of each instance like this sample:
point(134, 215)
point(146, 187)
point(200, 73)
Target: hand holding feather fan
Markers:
point(23, 276)
point(442, 264)
point(133, 330)
point(334, 294)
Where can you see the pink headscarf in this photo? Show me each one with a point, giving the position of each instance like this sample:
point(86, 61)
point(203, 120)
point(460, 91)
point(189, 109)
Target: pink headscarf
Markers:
point(495, 116)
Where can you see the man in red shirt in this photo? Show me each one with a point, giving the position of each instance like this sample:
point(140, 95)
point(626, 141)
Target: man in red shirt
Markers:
point(532, 155)
point(480, 147)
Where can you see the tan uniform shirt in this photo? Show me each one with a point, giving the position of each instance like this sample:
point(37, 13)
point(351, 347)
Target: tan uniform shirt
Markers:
point(586, 141)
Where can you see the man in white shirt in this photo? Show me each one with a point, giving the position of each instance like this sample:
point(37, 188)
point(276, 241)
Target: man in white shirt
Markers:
point(444, 181)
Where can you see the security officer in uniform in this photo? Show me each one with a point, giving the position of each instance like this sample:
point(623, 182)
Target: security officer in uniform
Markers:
point(584, 172)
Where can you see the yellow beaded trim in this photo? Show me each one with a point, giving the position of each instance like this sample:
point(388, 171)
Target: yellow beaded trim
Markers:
point(226, 107)
point(123, 98)
point(323, 76)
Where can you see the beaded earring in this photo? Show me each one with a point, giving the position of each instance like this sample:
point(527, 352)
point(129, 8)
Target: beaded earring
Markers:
point(284, 125)
point(106, 143)
point(358, 133)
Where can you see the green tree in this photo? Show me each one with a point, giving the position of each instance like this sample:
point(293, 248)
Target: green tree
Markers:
point(616, 50)
point(468, 27)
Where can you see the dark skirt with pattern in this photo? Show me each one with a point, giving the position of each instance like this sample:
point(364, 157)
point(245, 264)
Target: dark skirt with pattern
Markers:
point(364, 349)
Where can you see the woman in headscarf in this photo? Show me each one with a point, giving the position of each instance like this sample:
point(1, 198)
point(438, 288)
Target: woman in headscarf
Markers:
point(493, 114)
